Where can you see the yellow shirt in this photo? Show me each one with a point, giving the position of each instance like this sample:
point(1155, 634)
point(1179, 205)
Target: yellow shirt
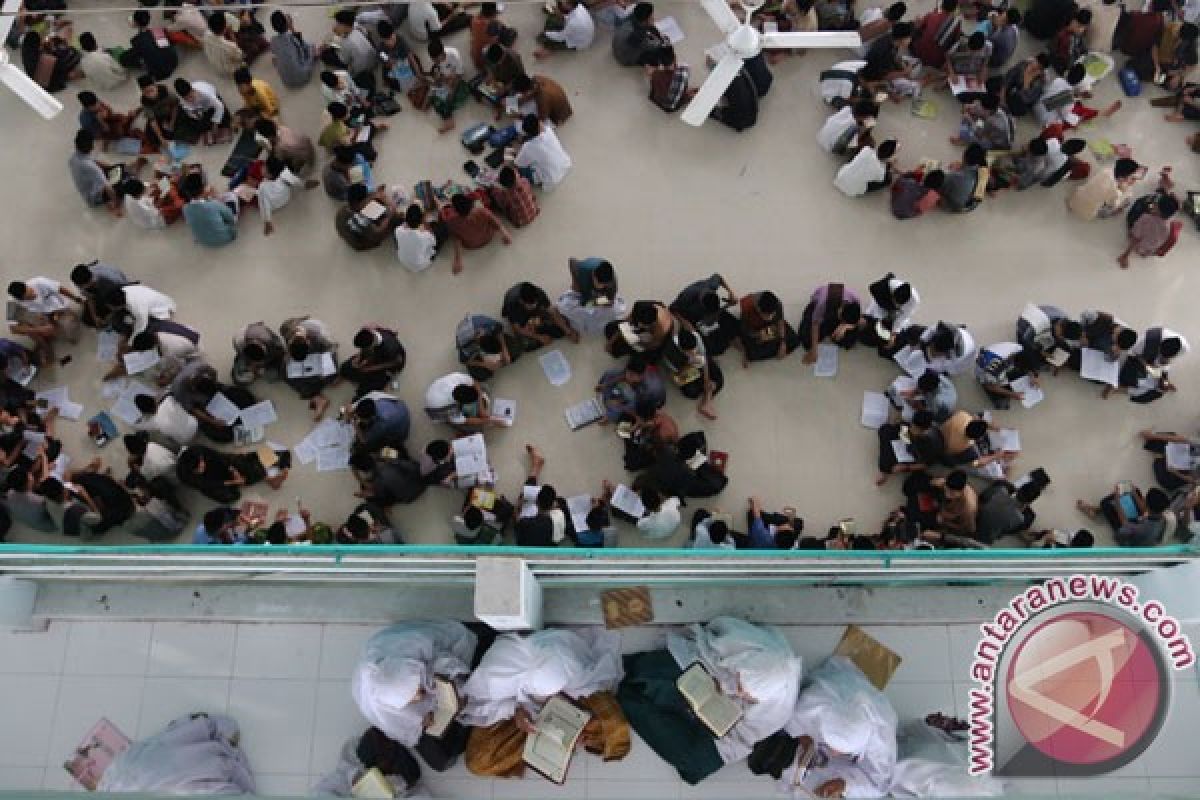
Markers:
point(260, 97)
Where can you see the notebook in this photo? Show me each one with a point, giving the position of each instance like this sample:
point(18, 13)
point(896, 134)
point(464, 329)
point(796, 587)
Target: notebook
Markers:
point(559, 726)
point(447, 708)
point(628, 501)
point(584, 413)
point(875, 409)
point(718, 712)
point(99, 748)
point(1095, 366)
point(374, 210)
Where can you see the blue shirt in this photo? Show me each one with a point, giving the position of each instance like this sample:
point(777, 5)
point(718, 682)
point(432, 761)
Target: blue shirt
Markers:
point(760, 536)
point(392, 422)
point(212, 222)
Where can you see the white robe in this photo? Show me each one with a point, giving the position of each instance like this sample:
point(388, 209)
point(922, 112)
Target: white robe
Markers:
point(525, 670)
point(340, 781)
point(399, 661)
point(933, 765)
point(192, 756)
point(841, 710)
point(963, 357)
point(756, 658)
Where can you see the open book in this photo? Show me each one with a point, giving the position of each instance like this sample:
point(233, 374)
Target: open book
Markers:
point(559, 726)
point(448, 705)
point(373, 785)
point(718, 712)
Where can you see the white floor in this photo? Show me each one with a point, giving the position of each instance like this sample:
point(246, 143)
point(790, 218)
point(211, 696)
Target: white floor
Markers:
point(288, 687)
point(667, 204)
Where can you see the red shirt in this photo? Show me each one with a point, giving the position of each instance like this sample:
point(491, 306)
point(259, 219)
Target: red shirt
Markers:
point(519, 203)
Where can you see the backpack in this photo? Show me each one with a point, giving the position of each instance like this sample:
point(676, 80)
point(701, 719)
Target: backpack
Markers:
point(1131, 84)
point(475, 137)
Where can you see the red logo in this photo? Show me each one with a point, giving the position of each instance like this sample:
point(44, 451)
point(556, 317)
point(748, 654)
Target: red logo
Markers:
point(1084, 688)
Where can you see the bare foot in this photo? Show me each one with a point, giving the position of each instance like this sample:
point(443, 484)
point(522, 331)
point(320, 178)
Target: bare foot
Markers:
point(881, 478)
point(380, 127)
point(1087, 510)
point(311, 183)
point(1114, 108)
point(446, 126)
point(536, 459)
point(319, 405)
point(541, 54)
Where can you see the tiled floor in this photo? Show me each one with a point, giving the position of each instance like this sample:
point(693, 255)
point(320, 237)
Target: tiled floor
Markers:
point(667, 204)
point(288, 687)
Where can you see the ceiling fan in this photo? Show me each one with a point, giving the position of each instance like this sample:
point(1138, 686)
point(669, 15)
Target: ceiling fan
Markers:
point(743, 41)
point(12, 76)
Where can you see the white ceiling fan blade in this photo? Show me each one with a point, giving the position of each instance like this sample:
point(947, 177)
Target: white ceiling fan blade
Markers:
point(710, 93)
point(8, 16)
point(813, 39)
point(726, 21)
point(27, 89)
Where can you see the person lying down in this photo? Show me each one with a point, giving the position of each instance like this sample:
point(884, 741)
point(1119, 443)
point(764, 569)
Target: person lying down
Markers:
point(197, 754)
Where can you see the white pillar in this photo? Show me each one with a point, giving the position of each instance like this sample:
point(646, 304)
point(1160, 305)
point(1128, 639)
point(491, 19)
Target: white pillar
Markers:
point(507, 595)
point(16, 602)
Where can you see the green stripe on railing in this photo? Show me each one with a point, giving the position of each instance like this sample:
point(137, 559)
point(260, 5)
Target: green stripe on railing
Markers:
point(338, 551)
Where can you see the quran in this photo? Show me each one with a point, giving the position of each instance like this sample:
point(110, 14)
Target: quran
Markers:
point(448, 705)
point(559, 726)
point(718, 712)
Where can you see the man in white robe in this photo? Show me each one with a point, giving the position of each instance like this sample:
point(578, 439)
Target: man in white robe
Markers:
point(394, 682)
point(198, 754)
point(752, 664)
point(516, 677)
point(853, 728)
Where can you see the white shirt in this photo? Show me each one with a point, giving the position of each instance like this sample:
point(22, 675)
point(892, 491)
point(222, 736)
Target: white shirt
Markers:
point(1065, 114)
point(452, 64)
point(662, 523)
point(864, 168)
point(172, 345)
point(171, 420)
point(1139, 349)
point(440, 394)
point(47, 298)
point(703, 540)
point(544, 154)
point(1055, 157)
point(837, 124)
point(415, 247)
point(144, 303)
point(421, 16)
point(578, 29)
point(838, 86)
point(102, 70)
point(142, 211)
point(903, 315)
point(157, 462)
point(205, 100)
point(274, 193)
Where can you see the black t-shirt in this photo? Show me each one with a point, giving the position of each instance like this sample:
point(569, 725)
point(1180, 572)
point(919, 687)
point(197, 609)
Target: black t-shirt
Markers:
point(689, 303)
point(535, 531)
point(388, 350)
point(158, 61)
point(516, 312)
point(741, 109)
